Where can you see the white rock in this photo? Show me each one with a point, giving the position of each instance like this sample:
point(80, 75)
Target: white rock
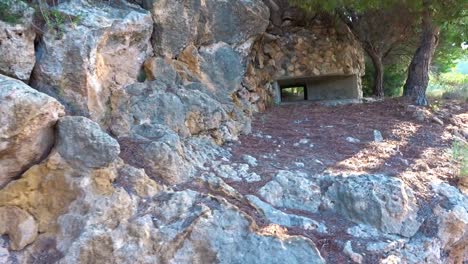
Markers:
point(353, 140)
point(378, 136)
point(250, 160)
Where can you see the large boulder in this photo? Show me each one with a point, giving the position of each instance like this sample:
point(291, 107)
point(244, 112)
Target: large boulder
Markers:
point(27, 119)
point(82, 143)
point(181, 227)
point(83, 64)
point(180, 23)
point(159, 151)
point(292, 190)
point(383, 202)
point(17, 40)
point(202, 106)
point(452, 220)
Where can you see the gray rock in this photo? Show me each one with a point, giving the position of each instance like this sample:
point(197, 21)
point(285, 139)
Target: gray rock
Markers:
point(378, 136)
point(185, 110)
point(236, 172)
point(27, 119)
point(224, 71)
point(179, 24)
point(249, 160)
point(419, 250)
point(17, 42)
point(348, 250)
point(292, 190)
point(289, 220)
point(385, 247)
point(158, 150)
point(84, 64)
point(213, 231)
point(353, 140)
point(452, 222)
point(177, 227)
point(82, 143)
point(383, 202)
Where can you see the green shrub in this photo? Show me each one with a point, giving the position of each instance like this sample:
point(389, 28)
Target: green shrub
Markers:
point(11, 11)
point(451, 85)
point(394, 79)
point(460, 155)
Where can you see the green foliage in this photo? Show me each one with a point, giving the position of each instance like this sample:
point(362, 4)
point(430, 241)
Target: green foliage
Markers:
point(451, 85)
point(394, 79)
point(450, 15)
point(363, 5)
point(55, 19)
point(460, 155)
point(52, 17)
point(11, 11)
point(449, 51)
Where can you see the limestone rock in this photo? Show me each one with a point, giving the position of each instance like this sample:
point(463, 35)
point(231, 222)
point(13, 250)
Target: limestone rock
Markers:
point(19, 225)
point(159, 151)
point(383, 202)
point(184, 227)
point(453, 222)
point(17, 41)
point(250, 160)
point(179, 24)
point(378, 136)
point(82, 143)
point(44, 191)
point(83, 65)
point(236, 172)
point(27, 118)
point(292, 190)
point(289, 220)
point(209, 236)
point(353, 140)
point(348, 250)
point(222, 70)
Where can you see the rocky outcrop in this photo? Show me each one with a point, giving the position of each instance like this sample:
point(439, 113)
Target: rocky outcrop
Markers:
point(385, 203)
point(380, 201)
point(294, 191)
point(135, 173)
point(179, 23)
point(179, 227)
point(17, 40)
point(452, 222)
point(84, 65)
point(83, 143)
point(26, 134)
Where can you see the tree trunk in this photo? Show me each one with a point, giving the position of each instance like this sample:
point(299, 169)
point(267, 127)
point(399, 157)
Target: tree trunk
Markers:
point(418, 71)
point(378, 73)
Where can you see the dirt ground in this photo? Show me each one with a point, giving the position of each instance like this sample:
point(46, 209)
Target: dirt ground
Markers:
point(415, 148)
point(313, 138)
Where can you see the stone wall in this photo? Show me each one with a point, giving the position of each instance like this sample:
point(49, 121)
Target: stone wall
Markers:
point(320, 48)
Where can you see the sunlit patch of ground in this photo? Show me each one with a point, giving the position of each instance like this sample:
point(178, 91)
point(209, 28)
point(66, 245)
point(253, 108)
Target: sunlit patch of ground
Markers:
point(415, 150)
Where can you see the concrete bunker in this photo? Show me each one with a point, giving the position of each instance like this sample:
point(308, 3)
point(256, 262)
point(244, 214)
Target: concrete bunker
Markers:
point(317, 88)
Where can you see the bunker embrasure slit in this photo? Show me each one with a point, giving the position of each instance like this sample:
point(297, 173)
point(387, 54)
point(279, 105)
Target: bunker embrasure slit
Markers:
point(318, 88)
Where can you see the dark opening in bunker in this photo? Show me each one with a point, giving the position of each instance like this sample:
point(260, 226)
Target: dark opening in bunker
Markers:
point(293, 93)
point(318, 88)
